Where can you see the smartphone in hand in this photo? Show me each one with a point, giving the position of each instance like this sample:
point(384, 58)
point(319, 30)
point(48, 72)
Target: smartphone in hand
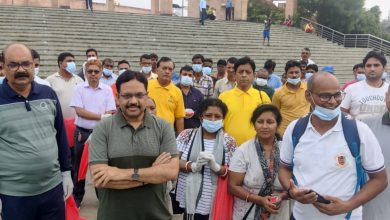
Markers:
point(320, 198)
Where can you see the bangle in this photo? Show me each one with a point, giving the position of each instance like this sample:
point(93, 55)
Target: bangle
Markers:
point(247, 197)
point(226, 172)
point(288, 193)
point(186, 166)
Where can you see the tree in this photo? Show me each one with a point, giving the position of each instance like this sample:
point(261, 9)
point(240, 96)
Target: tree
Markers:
point(259, 9)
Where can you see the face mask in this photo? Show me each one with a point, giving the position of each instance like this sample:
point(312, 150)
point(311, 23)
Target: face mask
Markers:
point(206, 70)
point(360, 76)
point(121, 71)
point(212, 126)
point(71, 67)
point(146, 69)
point(308, 75)
point(384, 75)
point(294, 81)
point(261, 82)
point(197, 68)
point(36, 71)
point(1, 79)
point(107, 72)
point(91, 58)
point(325, 113)
point(186, 81)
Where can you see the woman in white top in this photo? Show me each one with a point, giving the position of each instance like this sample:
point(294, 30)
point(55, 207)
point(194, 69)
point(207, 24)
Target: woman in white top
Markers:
point(253, 170)
point(204, 152)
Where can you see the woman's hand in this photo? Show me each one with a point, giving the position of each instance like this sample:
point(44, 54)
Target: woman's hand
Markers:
point(267, 204)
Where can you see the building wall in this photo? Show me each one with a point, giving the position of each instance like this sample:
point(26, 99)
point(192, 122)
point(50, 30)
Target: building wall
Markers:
point(240, 8)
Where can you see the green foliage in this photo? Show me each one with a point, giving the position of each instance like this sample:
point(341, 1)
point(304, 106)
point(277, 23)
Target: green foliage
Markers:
point(258, 10)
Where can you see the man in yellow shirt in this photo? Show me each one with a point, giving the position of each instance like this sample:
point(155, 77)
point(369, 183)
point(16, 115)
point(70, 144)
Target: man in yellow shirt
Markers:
point(168, 97)
point(242, 101)
point(290, 98)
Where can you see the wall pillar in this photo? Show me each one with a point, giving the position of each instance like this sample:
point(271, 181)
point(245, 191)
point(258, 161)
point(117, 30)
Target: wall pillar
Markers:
point(291, 8)
point(165, 7)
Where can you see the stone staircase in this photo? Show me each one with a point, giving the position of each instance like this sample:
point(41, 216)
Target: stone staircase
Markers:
point(127, 36)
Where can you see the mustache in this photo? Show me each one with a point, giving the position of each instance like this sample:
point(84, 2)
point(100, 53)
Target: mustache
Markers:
point(132, 105)
point(21, 74)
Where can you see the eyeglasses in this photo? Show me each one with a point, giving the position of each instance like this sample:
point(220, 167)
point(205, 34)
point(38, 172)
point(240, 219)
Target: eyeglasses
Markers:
point(93, 71)
point(326, 97)
point(26, 65)
point(128, 96)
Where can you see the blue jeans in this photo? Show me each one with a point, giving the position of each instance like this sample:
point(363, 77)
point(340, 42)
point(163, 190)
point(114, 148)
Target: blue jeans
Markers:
point(203, 16)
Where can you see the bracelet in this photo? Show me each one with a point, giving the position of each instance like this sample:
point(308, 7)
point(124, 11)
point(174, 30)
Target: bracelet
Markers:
point(247, 197)
point(226, 172)
point(186, 166)
point(288, 193)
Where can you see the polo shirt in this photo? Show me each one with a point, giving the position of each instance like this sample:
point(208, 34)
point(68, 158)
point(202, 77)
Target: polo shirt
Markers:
point(274, 81)
point(192, 101)
point(169, 100)
point(222, 85)
point(64, 90)
point(110, 80)
point(292, 104)
point(116, 143)
point(317, 165)
point(33, 145)
point(240, 108)
point(98, 101)
point(379, 207)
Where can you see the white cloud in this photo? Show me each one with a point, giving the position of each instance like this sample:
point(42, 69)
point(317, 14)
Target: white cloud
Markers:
point(384, 6)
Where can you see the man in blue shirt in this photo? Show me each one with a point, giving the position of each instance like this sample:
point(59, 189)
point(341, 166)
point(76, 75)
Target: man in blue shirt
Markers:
point(274, 81)
point(229, 6)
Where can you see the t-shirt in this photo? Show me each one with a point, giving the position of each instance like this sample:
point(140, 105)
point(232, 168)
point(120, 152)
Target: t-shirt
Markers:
point(325, 164)
point(363, 100)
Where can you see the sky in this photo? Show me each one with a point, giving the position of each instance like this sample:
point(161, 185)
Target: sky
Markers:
point(384, 6)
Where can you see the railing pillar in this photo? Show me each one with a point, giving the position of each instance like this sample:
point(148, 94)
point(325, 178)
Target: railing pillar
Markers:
point(355, 40)
point(368, 41)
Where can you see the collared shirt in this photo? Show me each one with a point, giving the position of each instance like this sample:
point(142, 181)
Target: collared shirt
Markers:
point(64, 90)
point(98, 101)
point(292, 104)
point(110, 80)
point(169, 101)
point(205, 85)
point(202, 4)
point(274, 81)
point(192, 101)
point(222, 85)
point(229, 3)
point(116, 143)
point(241, 106)
point(41, 81)
point(33, 144)
point(309, 61)
point(151, 76)
point(325, 164)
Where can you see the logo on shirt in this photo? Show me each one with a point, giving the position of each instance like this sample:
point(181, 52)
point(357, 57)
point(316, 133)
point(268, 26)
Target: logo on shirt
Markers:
point(341, 160)
point(43, 106)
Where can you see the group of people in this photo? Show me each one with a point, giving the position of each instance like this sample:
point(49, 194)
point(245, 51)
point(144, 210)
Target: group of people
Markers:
point(207, 12)
point(299, 137)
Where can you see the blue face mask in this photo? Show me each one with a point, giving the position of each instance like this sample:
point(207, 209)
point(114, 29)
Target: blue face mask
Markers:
point(107, 72)
point(294, 81)
point(71, 67)
point(308, 75)
point(212, 126)
point(146, 69)
point(197, 68)
point(384, 75)
point(360, 76)
point(186, 81)
point(325, 113)
point(206, 70)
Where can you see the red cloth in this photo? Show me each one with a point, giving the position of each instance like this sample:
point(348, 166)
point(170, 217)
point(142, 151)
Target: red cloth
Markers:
point(348, 84)
point(72, 212)
point(83, 164)
point(223, 201)
point(70, 127)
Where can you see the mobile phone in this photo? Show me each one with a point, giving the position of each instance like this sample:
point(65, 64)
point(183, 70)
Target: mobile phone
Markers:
point(320, 198)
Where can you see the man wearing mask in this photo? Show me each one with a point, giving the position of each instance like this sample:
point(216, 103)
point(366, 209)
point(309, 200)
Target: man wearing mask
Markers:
point(192, 97)
point(91, 54)
point(202, 82)
point(229, 81)
point(108, 77)
point(145, 62)
point(207, 69)
point(290, 98)
point(358, 73)
point(123, 65)
point(260, 83)
point(37, 60)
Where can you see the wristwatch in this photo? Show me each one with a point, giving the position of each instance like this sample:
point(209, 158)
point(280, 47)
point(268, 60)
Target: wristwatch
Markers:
point(135, 175)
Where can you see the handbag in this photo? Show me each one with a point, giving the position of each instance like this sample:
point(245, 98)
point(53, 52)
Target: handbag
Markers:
point(223, 201)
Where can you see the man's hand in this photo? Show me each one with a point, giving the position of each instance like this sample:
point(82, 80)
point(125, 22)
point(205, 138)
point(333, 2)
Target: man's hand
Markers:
point(67, 184)
point(102, 175)
point(303, 196)
point(336, 206)
point(163, 158)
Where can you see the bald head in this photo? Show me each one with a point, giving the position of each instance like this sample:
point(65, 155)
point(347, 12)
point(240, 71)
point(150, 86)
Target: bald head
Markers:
point(321, 78)
point(16, 46)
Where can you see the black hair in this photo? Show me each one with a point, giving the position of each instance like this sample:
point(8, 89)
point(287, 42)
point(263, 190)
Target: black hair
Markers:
point(267, 108)
point(206, 103)
point(377, 55)
point(1, 57)
point(243, 61)
point(292, 63)
point(89, 50)
point(303, 63)
point(221, 63)
point(186, 68)
point(63, 56)
point(232, 60)
point(359, 65)
point(165, 59)
point(208, 60)
point(313, 67)
point(153, 55)
point(270, 65)
point(198, 56)
point(129, 75)
point(145, 56)
point(35, 54)
point(123, 61)
point(107, 60)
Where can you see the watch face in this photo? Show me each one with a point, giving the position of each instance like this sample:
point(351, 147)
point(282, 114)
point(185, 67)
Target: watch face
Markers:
point(135, 175)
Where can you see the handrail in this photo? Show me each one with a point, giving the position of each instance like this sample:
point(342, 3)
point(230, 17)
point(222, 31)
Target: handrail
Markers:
point(349, 40)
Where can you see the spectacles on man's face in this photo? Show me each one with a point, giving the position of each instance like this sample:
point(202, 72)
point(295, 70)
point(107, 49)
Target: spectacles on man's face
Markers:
point(326, 97)
point(93, 72)
point(26, 65)
point(128, 96)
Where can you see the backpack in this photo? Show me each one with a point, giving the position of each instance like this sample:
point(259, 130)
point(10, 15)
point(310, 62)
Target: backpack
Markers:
point(351, 136)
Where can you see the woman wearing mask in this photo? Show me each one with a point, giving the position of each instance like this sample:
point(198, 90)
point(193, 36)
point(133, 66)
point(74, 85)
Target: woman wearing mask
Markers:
point(204, 152)
point(253, 179)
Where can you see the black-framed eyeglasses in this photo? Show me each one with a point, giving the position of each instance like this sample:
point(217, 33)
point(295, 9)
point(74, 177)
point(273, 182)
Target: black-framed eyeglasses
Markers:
point(326, 97)
point(128, 96)
point(26, 65)
point(93, 71)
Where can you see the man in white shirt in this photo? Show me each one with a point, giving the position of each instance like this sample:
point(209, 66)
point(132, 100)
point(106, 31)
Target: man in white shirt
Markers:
point(305, 56)
point(321, 160)
point(367, 97)
point(108, 77)
point(37, 61)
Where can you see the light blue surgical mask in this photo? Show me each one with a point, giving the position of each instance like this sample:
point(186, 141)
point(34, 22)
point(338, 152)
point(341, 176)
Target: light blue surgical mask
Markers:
point(325, 113)
point(206, 70)
point(197, 68)
point(71, 67)
point(1, 79)
point(360, 76)
point(212, 126)
point(107, 72)
point(308, 75)
point(384, 75)
point(294, 81)
point(186, 81)
point(121, 71)
point(146, 69)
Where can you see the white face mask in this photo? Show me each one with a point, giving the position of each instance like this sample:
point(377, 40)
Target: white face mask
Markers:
point(91, 58)
point(261, 82)
point(36, 71)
